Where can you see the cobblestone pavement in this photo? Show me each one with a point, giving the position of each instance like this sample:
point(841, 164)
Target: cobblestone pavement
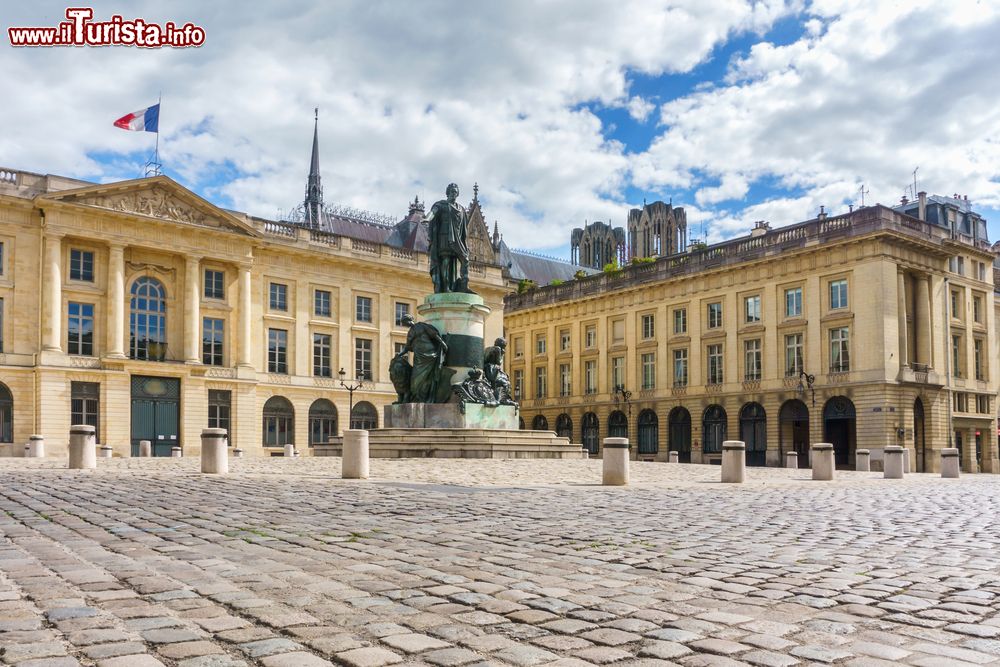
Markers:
point(523, 563)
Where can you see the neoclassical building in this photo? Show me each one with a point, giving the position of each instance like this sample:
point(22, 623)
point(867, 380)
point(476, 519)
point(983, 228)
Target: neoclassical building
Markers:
point(867, 329)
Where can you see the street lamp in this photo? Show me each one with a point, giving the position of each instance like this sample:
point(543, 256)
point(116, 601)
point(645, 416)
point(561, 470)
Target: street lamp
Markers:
point(622, 394)
point(351, 388)
point(809, 379)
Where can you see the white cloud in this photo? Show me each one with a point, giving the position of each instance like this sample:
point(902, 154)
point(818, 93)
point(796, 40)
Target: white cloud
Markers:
point(639, 108)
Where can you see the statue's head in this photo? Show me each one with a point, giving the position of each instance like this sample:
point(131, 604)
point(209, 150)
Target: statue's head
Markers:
point(451, 191)
point(475, 373)
point(407, 320)
point(501, 343)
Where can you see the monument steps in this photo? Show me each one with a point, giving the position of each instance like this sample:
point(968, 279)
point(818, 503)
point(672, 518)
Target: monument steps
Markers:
point(461, 443)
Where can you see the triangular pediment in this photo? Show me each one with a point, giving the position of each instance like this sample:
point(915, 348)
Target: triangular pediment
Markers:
point(159, 197)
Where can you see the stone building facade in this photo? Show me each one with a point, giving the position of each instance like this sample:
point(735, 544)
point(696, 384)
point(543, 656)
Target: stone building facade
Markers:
point(864, 330)
point(151, 313)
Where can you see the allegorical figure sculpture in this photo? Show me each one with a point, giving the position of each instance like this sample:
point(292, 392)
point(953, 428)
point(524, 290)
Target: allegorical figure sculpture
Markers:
point(401, 372)
point(449, 253)
point(494, 374)
point(429, 350)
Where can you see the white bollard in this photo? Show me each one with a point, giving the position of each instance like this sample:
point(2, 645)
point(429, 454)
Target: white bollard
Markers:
point(214, 457)
point(175, 452)
point(82, 448)
point(893, 462)
point(615, 464)
point(237, 453)
point(289, 451)
point(949, 463)
point(36, 446)
point(791, 459)
point(822, 461)
point(106, 452)
point(734, 462)
point(145, 448)
point(862, 460)
point(675, 457)
point(906, 461)
point(354, 464)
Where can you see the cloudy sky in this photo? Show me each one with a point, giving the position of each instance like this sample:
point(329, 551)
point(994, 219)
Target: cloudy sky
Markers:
point(562, 111)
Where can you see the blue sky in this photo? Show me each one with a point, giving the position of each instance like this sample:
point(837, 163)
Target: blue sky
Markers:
point(738, 110)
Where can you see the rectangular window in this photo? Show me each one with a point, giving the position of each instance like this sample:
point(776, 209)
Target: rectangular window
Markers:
point(1, 325)
point(714, 315)
point(590, 375)
point(1, 258)
point(85, 405)
point(397, 348)
point(793, 302)
point(540, 344)
point(649, 371)
point(565, 380)
point(648, 326)
point(322, 303)
point(840, 359)
point(321, 356)
point(591, 337)
point(279, 297)
point(564, 340)
point(680, 368)
point(752, 309)
point(960, 266)
point(751, 360)
point(518, 384)
point(793, 354)
point(540, 389)
point(680, 321)
point(977, 351)
point(977, 309)
point(956, 356)
point(363, 309)
point(219, 408)
point(838, 294)
point(715, 364)
point(618, 332)
point(81, 265)
point(214, 284)
point(982, 267)
point(362, 359)
point(983, 404)
point(80, 330)
point(402, 310)
point(956, 305)
point(211, 341)
point(518, 348)
point(277, 351)
point(617, 373)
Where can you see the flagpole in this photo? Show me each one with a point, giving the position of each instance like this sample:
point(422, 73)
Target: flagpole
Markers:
point(159, 108)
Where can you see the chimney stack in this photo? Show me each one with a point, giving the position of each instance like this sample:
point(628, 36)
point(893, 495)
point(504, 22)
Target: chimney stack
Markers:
point(822, 213)
point(922, 211)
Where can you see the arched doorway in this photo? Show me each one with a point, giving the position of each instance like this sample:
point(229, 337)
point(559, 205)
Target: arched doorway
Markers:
point(364, 417)
point(322, 422)
point(564, 426)
point(753, 432)
point(714, 429)
point(279, 422)
point(793, 431)
point(6, 414)
point(839, 428)
point(649, 432)
point(591, 433)
point(680, 434)
point(540, 423)
point(919, 435)
point(617, 425)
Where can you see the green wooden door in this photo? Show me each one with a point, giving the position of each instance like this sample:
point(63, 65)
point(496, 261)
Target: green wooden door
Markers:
point(155, 413)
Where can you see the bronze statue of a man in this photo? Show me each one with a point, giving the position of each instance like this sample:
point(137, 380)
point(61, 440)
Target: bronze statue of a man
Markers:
point(429, 351)
point(449, 251)
point(494, 372)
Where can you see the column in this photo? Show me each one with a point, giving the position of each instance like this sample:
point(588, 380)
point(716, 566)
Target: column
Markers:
point(116, 301)
point(52, 321)
point(246, 305)
point(192, 311)
point(922, 320)
point(904, 358)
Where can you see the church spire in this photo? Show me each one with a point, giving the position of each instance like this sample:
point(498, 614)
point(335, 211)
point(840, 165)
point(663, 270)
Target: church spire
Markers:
point(314, 188)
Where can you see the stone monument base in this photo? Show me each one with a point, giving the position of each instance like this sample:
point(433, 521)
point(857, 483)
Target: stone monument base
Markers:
point(450, 415)
point(460, 443)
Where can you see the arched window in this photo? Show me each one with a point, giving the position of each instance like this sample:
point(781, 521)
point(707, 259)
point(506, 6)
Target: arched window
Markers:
point(649, 432)
point(617, 425)
point(540, 423)
point(714, 427)
point(279, 422)
point(679, 421)
point(591, 432)
point(364, 417)
point(148, 320)
point(753, 432)
point(322, 422)
point(6, 414)
point(564, 426)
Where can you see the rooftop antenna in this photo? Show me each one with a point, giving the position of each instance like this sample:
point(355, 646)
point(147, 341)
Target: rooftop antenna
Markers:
point(915, 181)
point(863, 192)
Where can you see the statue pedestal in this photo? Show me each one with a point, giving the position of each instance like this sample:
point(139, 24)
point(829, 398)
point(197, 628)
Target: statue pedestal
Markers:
point(461, 320)
point(450, 415)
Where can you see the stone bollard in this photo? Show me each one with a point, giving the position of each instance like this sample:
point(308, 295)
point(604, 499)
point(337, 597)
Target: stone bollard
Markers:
point(214, 458)
point(27, 451)
point(822, 461)
point(106, 452)
point(906, 461)
point(289, 451)
point(615, 464)
point(237, 453)
point(734, 461)
point(893, 462)
point(175, 452)
point(862, 460)
point(145, 448)
point(675, 457)
point(791, 459)
point(36, 446)
point(354, 464)
point(949, 463)
point(82, 448)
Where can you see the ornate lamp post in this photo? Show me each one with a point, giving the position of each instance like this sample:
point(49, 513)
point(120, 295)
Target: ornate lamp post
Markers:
point(806, 382)
point(351, 387)
point(622, 394)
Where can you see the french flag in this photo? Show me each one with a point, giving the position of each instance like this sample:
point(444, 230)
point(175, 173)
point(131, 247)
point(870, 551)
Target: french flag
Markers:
point(143, 120)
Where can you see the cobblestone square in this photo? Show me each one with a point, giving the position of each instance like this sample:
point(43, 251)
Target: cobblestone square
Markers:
point(451, 563)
